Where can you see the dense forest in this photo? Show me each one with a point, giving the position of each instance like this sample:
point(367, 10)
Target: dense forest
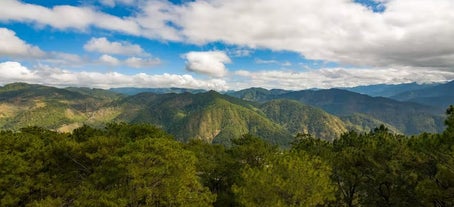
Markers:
point(276, 116)
point(141, 165)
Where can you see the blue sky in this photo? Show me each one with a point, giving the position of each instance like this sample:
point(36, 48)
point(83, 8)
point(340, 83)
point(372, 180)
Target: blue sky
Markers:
point(226, 45)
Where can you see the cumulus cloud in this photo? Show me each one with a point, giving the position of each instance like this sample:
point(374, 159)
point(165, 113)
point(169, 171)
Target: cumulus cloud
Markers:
point(408, 32)
point(103, 45)
point(239, 52)
point(409, 39)
point(13, 46)
point(155, 18)
point(113, 3)
point(338, 77)
point(262, 61)
point(323, 78)
point(137, 62)
point(14, 71)
point(63, 59)
point(134, 62)
point(210, 63)
point(65, 17)
point(110, 3)
point(107, 59)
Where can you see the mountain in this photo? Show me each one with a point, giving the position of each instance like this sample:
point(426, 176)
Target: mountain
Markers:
point(409, 118)
point(300, 118)
point(361, 111)
point(258, 94)
point(24, 105)
point(440, 96)
point(209, 116)
point(387, 90)
point(275, 115)
point(96, 93)
point(365, 123)
point(134, 91)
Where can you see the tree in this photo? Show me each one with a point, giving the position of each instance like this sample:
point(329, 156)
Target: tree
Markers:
point(125, 165)
point(374, 169)
point(449, 122)
point(216, 168)
point(288, 179)
point(439, 189)
point(251, 150)
point(312, 145)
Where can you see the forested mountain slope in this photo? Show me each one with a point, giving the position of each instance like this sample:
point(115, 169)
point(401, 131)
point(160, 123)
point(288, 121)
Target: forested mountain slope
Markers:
point(406, 117)
point(274, 115)
point(209, 116)
point(440, 96)
point(24, 105)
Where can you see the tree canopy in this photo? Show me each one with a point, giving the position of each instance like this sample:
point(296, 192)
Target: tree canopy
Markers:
point(141, 165)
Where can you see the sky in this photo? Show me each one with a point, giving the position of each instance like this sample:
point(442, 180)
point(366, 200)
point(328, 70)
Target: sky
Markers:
point(226, 44)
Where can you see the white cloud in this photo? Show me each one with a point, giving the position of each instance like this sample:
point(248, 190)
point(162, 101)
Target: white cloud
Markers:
point(113, 3)
point(411, 36)
point(261, 61)
point(154, 19)
point(408, 33)
point(63, 59)
point(103, 45)
point(286, 64)
point(65, 17)
point(240, 52)
point(337, 77)
point(13, 46)
point(14, 72)
point(151, 20)
point(136, 62)
point(414, 33)
point(210, 63)
point(110, 3)
point(323, 78)
point(107, 59)
point(276, 62)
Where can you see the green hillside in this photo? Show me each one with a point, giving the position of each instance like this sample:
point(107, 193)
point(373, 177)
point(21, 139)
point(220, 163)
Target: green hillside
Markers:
point(276, 115)
point(299, 118)
point(365, 123)
point(409, 118)
point(440, 96)
point(23, 105)
point(208, 116)
point(258, 94)
point(405, 117)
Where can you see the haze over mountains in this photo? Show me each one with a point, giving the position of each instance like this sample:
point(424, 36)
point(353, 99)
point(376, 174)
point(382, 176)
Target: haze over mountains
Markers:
point(275, 115)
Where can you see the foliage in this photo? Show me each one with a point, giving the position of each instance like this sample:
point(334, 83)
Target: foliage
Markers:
point(139, 164)
point(449, 122)
point(299, 118)
point(287, 179)
point(212, 116)
point(122, 165)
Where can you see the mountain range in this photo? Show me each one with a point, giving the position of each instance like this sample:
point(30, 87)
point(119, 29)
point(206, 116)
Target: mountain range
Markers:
point(434, 94)
point(275, 115)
